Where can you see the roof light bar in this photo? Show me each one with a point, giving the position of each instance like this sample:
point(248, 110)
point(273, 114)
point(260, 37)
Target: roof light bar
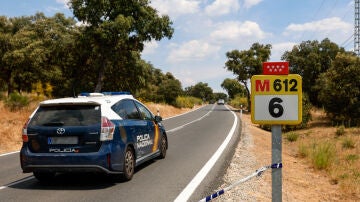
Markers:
point(117, 93)
point(85, 94)
point(91, 94)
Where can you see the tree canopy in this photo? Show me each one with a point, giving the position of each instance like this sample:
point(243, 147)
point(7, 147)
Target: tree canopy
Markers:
point(309, 59)
point(246, 63)
point(115, 32)
point(164, 88)
point(233, 87)
point(30, 49)
point(101, 54)
point(58, 57)
point(339, 90)
point(200, 90)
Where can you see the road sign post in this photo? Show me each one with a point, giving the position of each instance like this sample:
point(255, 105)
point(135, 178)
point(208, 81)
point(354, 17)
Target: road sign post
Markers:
point(276, 99)
point(276, 174)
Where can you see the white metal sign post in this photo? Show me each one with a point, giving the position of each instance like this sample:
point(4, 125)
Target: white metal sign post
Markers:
point(276, 99)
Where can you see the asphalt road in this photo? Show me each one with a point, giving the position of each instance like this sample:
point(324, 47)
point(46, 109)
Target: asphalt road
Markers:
point(201, 144)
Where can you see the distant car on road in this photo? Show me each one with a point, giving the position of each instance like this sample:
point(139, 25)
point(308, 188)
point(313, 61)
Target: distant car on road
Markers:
point(221, 102)
point(96, 132)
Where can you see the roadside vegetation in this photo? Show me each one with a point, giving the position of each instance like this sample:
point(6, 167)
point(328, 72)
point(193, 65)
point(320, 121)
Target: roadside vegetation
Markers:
point(11, 124)
point(334, 150)
point(329, 136)
point(57, 56)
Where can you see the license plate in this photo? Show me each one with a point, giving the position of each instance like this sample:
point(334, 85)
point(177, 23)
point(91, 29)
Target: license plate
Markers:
point(63, 140)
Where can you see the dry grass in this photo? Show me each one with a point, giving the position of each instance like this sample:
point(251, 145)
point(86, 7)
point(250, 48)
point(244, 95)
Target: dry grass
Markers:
point(166, 111)
point(343, 167)
point(11, 124)
point(301, 180)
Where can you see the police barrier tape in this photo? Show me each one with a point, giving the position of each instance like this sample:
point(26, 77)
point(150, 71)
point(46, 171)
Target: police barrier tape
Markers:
point(258, 173)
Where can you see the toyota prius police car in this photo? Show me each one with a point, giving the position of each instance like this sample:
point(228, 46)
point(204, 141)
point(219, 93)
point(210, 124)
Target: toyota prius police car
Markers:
point(96, 132)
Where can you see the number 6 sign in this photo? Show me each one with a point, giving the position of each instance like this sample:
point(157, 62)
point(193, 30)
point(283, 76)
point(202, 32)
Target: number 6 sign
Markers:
point(276, 99)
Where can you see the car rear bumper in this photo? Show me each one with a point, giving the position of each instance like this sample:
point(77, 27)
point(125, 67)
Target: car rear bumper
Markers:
point(68, 168)
point(67, 162)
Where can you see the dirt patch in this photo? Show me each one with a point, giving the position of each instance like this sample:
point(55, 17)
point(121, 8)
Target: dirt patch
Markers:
point(11, 124)
point(301, 182)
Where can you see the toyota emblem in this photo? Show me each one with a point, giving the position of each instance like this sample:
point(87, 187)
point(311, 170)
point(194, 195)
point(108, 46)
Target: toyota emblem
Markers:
point(60, 131)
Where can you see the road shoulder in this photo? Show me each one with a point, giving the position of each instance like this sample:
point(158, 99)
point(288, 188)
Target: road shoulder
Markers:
point(300, 181)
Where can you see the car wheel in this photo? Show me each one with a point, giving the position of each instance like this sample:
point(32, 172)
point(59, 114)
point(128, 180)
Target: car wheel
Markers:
point(129, 164)
point(44, 176)
point(163, 147)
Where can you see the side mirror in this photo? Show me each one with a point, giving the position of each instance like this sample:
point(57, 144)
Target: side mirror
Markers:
point(158, 119)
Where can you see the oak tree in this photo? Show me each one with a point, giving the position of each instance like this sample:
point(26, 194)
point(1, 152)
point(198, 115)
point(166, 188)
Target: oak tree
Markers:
point(115, 32)
point(246, 63)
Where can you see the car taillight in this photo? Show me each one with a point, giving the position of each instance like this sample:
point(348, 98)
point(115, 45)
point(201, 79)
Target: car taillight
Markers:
point(25, 137)
point(107, 129)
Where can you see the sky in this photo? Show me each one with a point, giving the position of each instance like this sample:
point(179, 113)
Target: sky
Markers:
point(206, 29)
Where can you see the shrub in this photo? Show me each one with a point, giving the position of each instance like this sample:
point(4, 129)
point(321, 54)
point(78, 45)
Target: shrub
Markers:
point(239, 101)
point(356, 174)
point(41, 90)
point(266, 127)
point(187, 101)
point(306, 110)
point(323, 155)
point(16, 101)
point(352, 157)
point(291, 136)
point(303, 150)
point(355, 131)
point(340, 131)
point(2, 96)
point(348, 143)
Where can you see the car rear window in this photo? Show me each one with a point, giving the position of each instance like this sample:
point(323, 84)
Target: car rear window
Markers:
point(67, 115)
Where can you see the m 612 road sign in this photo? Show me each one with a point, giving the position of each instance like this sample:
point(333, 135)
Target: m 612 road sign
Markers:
point(276, 99)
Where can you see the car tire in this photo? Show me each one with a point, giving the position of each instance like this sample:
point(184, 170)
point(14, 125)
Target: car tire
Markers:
point(44, 176)
point(129, 164)
point(163, 147)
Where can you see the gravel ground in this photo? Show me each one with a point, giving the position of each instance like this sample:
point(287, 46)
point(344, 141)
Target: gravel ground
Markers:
point(243, 164)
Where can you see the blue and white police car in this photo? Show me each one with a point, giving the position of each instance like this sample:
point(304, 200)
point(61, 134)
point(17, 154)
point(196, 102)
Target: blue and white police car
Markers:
point(95, 132)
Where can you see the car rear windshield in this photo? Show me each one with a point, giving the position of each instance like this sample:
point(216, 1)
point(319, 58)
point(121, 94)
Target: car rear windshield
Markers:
point(67, 115)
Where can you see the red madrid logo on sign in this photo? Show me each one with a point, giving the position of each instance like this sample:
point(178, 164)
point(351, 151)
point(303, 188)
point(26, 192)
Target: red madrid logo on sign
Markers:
point(275, 68)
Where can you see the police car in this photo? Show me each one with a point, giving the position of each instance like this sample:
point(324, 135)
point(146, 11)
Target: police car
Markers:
point(95, 132)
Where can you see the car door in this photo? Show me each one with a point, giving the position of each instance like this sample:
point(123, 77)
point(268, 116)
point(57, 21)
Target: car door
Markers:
point(133, 129)
point(152, 127)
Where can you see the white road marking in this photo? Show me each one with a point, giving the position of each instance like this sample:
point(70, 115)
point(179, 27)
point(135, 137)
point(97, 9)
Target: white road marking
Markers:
point(179, 127)
point(6, 154)
point(17, 182)
point(199, 177)
point(185, 113)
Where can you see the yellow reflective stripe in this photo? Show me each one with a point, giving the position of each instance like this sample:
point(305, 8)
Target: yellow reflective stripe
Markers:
point(156, 138)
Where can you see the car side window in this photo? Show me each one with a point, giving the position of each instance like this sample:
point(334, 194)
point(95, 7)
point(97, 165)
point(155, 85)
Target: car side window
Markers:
point(126, 109)
point(144, 112)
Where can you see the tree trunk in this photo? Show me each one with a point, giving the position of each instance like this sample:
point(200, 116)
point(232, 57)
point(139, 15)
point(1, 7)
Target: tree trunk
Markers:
point(248, 96)
point(9, 84)
point(100, 79)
